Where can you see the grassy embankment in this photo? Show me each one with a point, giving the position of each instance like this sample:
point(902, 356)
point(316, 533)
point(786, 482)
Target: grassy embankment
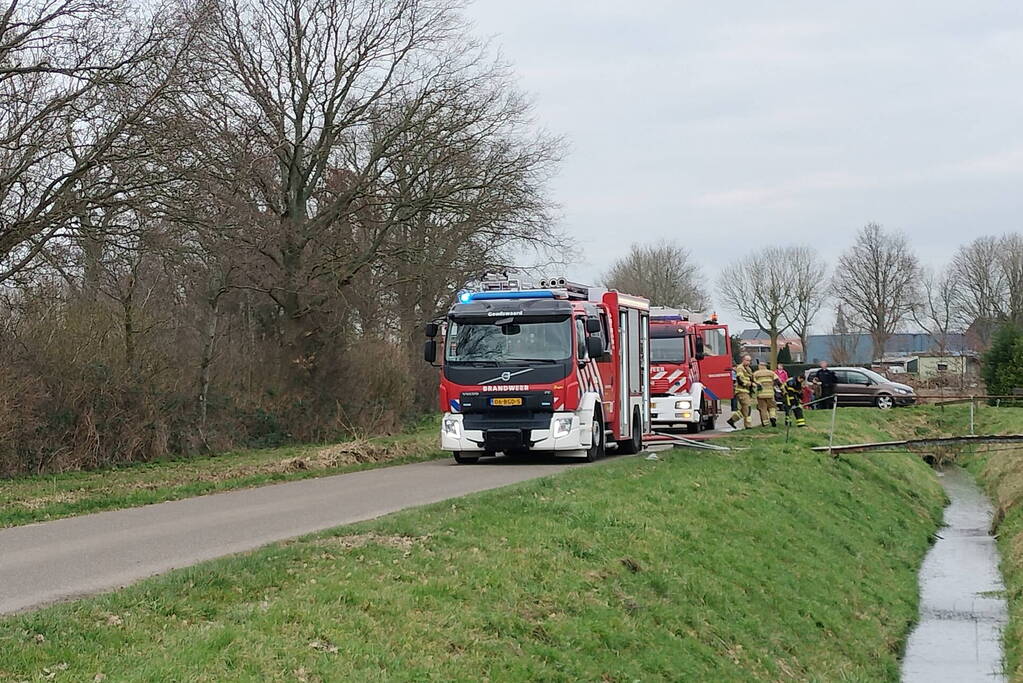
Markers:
point(1000, 469)
point(771, 563)
point(38, 498)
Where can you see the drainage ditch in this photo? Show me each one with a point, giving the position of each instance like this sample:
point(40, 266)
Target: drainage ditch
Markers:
point(962, 604)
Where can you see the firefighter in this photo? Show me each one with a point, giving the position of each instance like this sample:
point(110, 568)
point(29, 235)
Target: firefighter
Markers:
point(745, 393)
point(735, 401)
point(765, 379)
point(792, 391)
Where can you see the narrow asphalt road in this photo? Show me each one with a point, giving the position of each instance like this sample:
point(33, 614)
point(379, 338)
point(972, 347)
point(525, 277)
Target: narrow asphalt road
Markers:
point(67, 558)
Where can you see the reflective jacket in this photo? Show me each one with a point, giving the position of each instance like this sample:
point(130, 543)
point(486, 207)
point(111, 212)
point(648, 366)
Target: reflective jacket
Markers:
point(793, 390)
point(766, 378)
point(744, 380)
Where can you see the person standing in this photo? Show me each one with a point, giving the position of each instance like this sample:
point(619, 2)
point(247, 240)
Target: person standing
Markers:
point(792, 391)
point(808, 395)
point(745, 390)
point(783, 376)
point(765, 380)
point(827, 379)
point(735, 401)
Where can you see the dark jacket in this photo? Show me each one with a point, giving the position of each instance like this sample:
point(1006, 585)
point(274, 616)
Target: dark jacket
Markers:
point(826, 377)
point(794, 390)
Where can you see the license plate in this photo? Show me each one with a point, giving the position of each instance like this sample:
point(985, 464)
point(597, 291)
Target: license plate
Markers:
point(516, 401)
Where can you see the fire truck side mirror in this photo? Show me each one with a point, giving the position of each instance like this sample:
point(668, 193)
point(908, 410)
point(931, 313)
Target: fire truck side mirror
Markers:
point(432, 329)
point(430, 351)
point(595, 347)
point(700, 353)
point(592, 325)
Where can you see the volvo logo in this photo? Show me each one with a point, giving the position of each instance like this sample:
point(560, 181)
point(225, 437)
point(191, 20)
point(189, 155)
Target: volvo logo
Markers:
point(506, 375)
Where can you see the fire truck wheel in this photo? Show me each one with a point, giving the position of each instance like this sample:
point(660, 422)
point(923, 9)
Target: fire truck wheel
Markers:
point(465, 459)
point(596, 451)
point(635, 444)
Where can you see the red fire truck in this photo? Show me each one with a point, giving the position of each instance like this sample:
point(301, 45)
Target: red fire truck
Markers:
point(690, 369)
point(563, 367)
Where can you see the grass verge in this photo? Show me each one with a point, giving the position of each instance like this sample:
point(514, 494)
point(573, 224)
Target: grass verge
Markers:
point(38, 498)
point(770, 563)
point(1000, 469)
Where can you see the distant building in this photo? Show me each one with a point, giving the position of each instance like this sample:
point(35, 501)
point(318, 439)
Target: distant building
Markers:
point(857, 349)
point(757, 343)
point(933, 366)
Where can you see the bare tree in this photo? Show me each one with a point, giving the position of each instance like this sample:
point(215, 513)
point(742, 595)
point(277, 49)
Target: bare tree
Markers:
point(876, 280)
point(809, 278)
point(77, 79)
point(843, 339)
point(988, 287)
point(238, 216)
point(663, 272)
point(1010, 260)
point(316, 102)
point(981, 289)
point(480, 199)
point(760, 288)
point(936, 311)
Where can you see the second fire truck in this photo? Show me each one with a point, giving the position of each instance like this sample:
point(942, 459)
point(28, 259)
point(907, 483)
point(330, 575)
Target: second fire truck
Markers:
point(690, 369)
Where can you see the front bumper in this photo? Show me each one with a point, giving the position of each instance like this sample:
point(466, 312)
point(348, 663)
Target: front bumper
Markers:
point(454, 436)
point(903, 401)
point(665, 410)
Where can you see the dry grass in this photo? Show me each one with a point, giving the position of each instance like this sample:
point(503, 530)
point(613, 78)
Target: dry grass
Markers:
point(31, 499)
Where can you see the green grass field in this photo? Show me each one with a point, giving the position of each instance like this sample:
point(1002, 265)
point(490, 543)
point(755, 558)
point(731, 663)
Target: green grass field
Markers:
point(769, 563)
point(34, 499)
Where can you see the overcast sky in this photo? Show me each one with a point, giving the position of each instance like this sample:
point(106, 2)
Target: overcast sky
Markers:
point(731, 126)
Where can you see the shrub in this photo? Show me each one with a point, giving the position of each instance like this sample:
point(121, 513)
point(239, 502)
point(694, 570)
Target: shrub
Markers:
point(1003, 363)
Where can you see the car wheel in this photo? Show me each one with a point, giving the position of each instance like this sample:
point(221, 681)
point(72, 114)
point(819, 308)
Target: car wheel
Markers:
point(596, 450)
point(634, 444)
point(465, 459)
point(884, 402)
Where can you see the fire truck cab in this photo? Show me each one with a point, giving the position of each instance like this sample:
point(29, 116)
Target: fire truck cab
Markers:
point(690, 369)
point(560, 368)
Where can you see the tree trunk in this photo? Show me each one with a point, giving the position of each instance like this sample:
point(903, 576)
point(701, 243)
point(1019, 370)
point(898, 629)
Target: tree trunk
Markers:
point(879, 340)
point(206, 364)
point(128, 322)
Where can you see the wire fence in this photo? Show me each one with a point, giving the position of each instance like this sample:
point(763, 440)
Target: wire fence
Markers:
point(972, 400)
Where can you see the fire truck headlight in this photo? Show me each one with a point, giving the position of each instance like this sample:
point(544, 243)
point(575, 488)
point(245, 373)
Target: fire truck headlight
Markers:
point(562, 427)
point(452, 427)
point(683, 405)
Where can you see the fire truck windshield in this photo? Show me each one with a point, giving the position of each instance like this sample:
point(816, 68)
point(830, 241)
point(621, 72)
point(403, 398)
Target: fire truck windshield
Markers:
point(667, 350)
point(542, 342)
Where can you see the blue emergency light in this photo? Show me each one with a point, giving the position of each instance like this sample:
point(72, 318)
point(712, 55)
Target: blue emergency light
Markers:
point(520, 294)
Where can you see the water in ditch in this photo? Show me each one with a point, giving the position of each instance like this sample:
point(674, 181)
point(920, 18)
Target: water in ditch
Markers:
point(962, 603)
